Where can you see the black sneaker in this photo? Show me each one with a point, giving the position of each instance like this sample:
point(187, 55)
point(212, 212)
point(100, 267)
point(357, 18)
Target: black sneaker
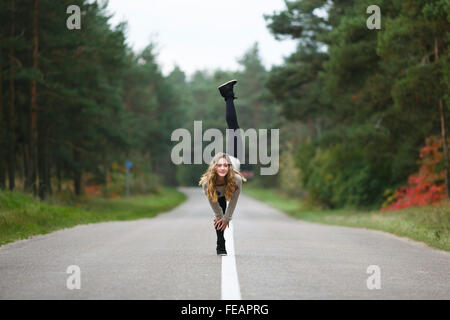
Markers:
point(221, 251)
point(226, 89)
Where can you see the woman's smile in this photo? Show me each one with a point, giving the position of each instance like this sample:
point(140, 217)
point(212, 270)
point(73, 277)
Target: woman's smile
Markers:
point(222, 167)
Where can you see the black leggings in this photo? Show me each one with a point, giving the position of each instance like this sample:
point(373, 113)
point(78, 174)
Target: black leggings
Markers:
point(223, 204)
point(232, 122)
point(231, 117)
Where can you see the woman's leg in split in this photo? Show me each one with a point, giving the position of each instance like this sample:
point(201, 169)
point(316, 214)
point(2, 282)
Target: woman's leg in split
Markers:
point(234, 141)
point(230, 114)
point(220, 237)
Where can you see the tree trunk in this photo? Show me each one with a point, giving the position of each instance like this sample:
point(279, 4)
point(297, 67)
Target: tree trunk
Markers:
point(58, 175)
point(444, 138)
point(11, 120)
point(41, 159)
point(443, 131)
point(45, 187)
point(77, 172)
point(47, 180)
point(105, 189)
point(31, 178)
point(25, 157)
point(2, 130)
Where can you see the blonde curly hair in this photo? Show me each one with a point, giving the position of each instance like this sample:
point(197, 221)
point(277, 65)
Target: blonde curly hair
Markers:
point(210, 177)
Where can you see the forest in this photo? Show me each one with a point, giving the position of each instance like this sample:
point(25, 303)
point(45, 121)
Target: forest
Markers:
point(363, 114)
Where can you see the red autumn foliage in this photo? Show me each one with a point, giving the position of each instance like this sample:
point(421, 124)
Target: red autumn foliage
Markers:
point(94, 190)
point(425, 187)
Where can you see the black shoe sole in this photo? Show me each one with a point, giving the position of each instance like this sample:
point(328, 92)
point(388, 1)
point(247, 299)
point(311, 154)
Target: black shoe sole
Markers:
point(223, 85)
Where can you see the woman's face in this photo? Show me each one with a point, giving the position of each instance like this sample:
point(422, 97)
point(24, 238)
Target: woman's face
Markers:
point(222, 167)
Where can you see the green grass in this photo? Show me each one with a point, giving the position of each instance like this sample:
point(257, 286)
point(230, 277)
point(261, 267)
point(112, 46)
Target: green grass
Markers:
point(428, 224)
point(21, 216)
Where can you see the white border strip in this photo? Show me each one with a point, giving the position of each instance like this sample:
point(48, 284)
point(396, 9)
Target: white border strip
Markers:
point(230, 283)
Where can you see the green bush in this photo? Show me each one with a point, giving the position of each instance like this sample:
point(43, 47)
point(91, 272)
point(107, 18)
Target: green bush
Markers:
point(189, 174)
point(338, 176)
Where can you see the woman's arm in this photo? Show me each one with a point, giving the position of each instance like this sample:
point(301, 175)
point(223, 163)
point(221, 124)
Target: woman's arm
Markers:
point(234, 198)
point(218, 213)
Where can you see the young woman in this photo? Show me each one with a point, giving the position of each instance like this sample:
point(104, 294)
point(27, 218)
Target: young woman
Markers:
point(222, 181)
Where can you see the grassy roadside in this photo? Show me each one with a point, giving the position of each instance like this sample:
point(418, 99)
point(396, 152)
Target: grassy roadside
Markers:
point(427, 224)
point(21, 216)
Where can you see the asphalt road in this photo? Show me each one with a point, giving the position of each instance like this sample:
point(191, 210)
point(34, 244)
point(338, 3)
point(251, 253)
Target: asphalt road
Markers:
point(172, 256)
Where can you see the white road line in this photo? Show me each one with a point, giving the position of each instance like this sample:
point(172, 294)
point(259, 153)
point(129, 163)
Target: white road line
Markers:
point(230, 283)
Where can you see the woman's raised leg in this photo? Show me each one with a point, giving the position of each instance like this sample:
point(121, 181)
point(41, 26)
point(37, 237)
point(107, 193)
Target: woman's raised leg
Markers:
point(234, 139)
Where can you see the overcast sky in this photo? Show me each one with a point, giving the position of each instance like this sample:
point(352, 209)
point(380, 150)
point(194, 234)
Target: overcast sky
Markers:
point(201, 34)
